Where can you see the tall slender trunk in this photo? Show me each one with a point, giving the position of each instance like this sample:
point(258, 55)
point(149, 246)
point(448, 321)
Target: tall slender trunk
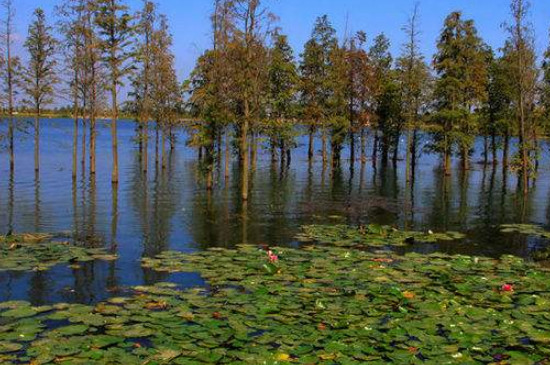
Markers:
point(375, 148)
point(244, 150)
point(145, 158)
point(92, 143)
point(485, 150)
point(253, 151)
point(363, 146)
point(465, 158)
point(10, 76)
point(37, 140)
point(75, 145)
point(494, 148)
point(310, 144)
point(75, 132)
point(505, 151)
point(163, 150)
point(114, 135)
point(324, 145)
point(408, 156)
point(83, 142)
point(414, 153)
point(446, 157)
point(156, 145)
point(352, 147)
point(227, 154)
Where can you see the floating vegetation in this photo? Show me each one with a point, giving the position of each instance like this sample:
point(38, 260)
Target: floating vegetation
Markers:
point(526, 229)
point(34, 252)
point(370, 236)
point(321, 305)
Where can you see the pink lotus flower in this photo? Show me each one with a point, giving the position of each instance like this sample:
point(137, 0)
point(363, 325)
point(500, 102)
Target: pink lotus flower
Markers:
point(507, 288)
point(272, 257)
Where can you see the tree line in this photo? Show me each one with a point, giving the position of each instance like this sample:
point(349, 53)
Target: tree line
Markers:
point(250, 87)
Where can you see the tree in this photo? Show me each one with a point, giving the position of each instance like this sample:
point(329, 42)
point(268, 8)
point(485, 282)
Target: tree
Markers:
point(115, 30)
point(40, 75)
point(283, 82)
point(210, 87)
point(522, 60)
point(11, 72)
point(461, 67)
point(383, 93)
point(360, 80)
point(249, 54)
point(315, 83)
point(166, 92)
point(72, 28)
point(414, 82)
point(142, 79)
point(499, 110)
point(339, 91)
point(92, 79)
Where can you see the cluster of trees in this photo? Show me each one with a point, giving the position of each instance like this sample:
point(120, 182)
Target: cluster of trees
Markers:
point(250, 87)
point(344, 89)
point(100, 47)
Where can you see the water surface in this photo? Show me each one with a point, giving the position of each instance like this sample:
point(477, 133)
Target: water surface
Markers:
point(170, 209)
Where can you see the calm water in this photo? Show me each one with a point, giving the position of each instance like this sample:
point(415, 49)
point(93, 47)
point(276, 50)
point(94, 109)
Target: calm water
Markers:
point(171, 210)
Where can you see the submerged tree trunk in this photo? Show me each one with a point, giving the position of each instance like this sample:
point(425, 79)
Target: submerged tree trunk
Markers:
point(324, 145)
point(505, 151)
point(114, 134)
point(75, 144)
point(163, 146)
point(157, 145)
point(253, 151)
point(244, 152)
point(37, 140)
point(363, 146)
point(92, 145)
point(227, 153)
point(145, 136)
point(375, 148)
point(465, 158)
point(310, 144)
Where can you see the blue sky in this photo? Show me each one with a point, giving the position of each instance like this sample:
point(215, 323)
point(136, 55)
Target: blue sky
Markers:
point(189, 20)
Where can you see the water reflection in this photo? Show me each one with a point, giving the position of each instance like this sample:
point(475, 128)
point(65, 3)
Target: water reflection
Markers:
point(168, 207)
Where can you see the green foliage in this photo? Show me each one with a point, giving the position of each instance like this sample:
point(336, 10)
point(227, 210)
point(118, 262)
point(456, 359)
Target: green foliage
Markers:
point(283, 85)
point(315, 69)
point(461, 89)
point(40, 75)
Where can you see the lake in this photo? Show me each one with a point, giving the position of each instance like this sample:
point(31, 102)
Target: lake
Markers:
point(171, 209)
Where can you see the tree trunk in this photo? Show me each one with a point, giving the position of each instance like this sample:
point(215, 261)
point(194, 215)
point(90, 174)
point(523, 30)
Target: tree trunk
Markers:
point(363, 146)
point(375, 148)
point(485, 150)
point(505, 152)
point(75, 143)
point(114, 136)
point(83, 142)
point(157, 145)
point(163, 150)
point(145, 158)
point(465, 158)
point(494, 147)
point(92, 144)
point(324, 145)
point(310, 145)
point(37, 140)
point(253, 151)
point(244, 152)
point(227, 153)
point(352, 148)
